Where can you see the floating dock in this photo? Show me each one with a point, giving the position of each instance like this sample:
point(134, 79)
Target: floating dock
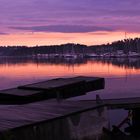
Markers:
point(60, 88)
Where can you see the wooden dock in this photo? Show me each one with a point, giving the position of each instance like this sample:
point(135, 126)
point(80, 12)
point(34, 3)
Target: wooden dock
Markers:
point(61, 84)
point(50, 119)
point(38, 111)
point(124, 99)
point(128, 103)
point(60, 88)
point(16, 116)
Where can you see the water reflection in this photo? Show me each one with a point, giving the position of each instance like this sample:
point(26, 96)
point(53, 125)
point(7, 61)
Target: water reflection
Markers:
point(133, 63)
point(109, 64)
point(35, 60)
point(22, 70)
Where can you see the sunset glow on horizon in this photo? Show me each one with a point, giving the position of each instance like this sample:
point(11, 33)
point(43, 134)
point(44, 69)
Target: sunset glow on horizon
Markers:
point(33, 39)
point(53, 22)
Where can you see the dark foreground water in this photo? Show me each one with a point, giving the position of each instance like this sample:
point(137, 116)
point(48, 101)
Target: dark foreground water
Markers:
point(122, 76)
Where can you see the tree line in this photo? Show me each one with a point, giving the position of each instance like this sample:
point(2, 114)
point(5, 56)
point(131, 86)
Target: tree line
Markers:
point(126, 46)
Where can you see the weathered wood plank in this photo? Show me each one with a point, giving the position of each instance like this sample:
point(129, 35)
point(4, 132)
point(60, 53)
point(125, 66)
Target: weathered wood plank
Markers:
point(52, 84)
point(58, 88)
point(91, 83)
point(21, 115)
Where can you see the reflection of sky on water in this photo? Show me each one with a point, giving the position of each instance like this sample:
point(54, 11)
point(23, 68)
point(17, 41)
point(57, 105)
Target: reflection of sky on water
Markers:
point(15, 72)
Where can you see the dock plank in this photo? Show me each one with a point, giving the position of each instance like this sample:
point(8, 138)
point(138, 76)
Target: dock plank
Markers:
point(51, 84)
point(91, 83)
point(29, 114)
point(58, 88)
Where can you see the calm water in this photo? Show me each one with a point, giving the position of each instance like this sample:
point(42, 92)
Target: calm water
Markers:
point(122, 75)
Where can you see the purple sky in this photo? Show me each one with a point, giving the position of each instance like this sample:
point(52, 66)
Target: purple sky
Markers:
point(69, 16)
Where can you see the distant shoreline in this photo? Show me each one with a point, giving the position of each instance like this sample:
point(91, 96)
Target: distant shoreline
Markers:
point(75, 56)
